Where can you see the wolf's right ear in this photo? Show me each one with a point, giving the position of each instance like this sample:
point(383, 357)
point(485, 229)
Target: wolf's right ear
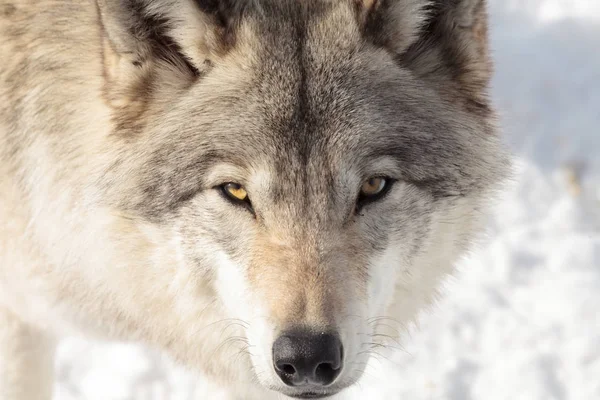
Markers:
point(194, 30)
point(183, 36)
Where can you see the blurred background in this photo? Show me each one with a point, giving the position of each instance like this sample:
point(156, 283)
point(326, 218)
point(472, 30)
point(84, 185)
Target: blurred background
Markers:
point(521, 319)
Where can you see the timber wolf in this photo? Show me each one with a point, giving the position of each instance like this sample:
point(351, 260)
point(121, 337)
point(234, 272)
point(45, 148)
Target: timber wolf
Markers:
point(263, 189)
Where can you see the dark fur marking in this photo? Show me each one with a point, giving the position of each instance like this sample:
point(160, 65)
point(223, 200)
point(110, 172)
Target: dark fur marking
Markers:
point(173, 185)
point(374, 25)
point(154, 29)
point(226, 15)
point(7, 10)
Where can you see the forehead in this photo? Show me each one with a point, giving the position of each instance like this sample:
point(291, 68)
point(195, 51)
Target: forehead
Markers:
point(316, 89)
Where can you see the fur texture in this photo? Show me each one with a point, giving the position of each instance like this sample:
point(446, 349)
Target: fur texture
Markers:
point(119, 121)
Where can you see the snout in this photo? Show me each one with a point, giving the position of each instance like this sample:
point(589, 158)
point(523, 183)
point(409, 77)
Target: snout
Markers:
point(308, 360)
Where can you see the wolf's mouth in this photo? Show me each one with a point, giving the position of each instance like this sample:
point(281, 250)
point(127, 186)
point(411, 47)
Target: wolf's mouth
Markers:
point(311, 395)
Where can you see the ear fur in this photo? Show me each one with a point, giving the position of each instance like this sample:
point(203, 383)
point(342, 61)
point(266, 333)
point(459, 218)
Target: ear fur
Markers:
point(454, 45)
point(394, 24)
point(144, 37)
point(440, 40)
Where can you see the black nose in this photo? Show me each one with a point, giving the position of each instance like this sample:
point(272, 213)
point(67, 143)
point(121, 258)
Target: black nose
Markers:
point(304, 358)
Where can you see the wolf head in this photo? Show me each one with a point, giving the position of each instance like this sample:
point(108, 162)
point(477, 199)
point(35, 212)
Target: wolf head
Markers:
point(316, 166)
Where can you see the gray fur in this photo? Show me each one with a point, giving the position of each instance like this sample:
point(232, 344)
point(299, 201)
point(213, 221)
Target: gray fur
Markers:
point(131, 108)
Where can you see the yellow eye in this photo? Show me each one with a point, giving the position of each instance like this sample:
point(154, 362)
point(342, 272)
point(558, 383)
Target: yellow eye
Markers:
point(373, 186)
point(235, 191)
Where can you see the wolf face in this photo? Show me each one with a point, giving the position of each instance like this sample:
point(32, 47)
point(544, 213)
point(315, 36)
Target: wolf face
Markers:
point(285, 182)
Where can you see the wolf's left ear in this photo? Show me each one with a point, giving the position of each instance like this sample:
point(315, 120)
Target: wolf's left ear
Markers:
point(394, 24)
point(443, 41)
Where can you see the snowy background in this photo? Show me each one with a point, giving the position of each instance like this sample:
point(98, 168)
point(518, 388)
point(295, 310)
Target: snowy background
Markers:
point(522, 318)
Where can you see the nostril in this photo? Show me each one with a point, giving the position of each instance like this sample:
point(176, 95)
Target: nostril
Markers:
point(325, 367)
point(326, 372)
point(288, 369)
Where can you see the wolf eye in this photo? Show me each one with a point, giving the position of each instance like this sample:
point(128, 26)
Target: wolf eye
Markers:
point(235, 191)
point(372, 190)
point(236, 194)
point(373, 186)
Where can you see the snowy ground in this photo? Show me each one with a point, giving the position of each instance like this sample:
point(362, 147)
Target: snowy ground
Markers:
point(522, 319)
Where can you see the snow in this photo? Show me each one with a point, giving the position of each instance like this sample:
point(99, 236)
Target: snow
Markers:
point(522, 318)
